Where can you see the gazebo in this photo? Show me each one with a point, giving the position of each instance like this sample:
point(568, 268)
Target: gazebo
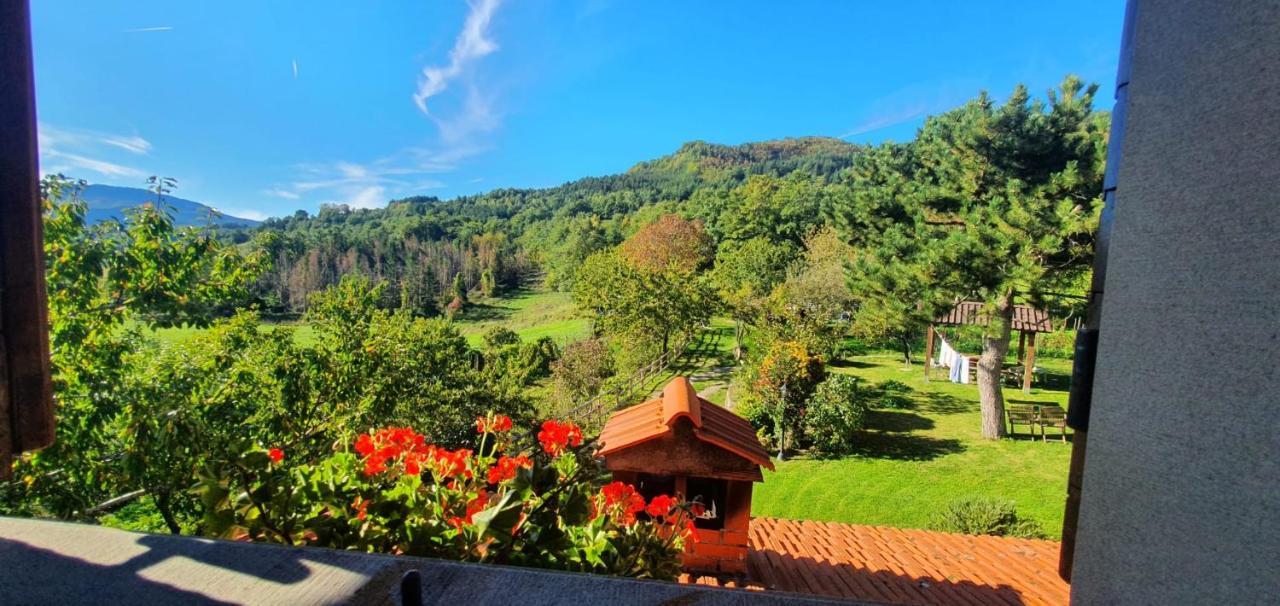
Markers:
point(1026, 320)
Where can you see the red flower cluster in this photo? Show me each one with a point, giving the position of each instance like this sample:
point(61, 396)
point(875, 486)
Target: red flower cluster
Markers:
point(506, 467)
point(660, 506)
point(361, 506)
point(276, 455)
point(450, 463)
point(556, 436)
point(409, 448)
point(493, 424)
point(621, 501)
point(474, 506)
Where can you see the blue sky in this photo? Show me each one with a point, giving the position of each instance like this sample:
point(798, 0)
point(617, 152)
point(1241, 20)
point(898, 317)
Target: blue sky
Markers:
point(261, 108)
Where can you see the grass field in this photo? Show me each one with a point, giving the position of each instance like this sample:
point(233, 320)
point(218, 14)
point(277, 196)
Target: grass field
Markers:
point(913, 462)
point(533, 314)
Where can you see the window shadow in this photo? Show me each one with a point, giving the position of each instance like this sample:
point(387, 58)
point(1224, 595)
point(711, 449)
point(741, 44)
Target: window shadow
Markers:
point(51, 574)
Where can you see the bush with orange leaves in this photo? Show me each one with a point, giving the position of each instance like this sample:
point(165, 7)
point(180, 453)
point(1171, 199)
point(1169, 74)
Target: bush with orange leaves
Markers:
point(394, 492)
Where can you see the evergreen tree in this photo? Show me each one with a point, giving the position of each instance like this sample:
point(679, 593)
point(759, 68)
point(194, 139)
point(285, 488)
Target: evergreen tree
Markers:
point(995, 203)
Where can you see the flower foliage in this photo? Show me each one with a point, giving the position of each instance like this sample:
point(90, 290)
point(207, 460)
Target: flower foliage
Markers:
point(395, 492)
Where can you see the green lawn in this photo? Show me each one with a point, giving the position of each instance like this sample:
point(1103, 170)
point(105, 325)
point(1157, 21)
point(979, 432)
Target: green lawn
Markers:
point(914, 461)
point(533, 314)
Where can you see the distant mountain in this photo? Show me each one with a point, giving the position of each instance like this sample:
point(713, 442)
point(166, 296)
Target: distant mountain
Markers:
point(109, 202)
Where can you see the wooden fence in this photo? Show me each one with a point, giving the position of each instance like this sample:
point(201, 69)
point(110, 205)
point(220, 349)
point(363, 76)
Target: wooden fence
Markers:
point(592, 414)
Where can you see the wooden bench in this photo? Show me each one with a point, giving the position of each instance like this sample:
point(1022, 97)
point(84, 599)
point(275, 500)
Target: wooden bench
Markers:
point(1022, 414)
point(1052, 415)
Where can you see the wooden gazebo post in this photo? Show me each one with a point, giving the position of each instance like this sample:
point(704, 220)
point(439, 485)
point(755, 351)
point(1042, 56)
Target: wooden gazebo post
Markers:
point(1027, 321)
point(1030, 362)
point(928, 352)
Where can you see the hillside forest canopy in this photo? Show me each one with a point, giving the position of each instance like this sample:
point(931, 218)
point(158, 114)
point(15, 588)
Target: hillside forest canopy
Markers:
point(803, 244)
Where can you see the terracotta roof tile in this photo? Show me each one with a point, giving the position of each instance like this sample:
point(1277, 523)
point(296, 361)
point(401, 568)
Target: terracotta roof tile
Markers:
point(902, 566)
point(655, 418)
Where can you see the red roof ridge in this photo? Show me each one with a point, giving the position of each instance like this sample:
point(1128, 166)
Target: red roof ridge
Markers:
point(680, 400)
point(711, 423)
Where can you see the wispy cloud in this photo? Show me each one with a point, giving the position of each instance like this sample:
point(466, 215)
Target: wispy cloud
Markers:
point(413, 170)
point(63, 162)
point(142, 30)
point(68, 150)
point(913, 102)
point(282, 193)
point(472, 44)
point(371, 184)
point(243, 213)
point(295, 69)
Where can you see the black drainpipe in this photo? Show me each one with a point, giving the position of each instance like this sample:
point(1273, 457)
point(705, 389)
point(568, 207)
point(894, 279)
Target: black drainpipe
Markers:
point(1086, 350)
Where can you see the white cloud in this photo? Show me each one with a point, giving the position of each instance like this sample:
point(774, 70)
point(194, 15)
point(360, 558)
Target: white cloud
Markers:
point(373, 196)
point(141, 30)
point(134, 144)
point(371, 184)
point(61, 162)
point(282, 193)
point(255, 215)
point(295, 69)
point(75, 151)
point(472, 44)
point(913, 102)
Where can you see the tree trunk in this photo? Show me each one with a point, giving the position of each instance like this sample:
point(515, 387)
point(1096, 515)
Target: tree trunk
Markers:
point(737, 340)
point(163, 503)
point(995, 344)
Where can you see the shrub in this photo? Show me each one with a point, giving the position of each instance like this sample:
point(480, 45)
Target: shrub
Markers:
point(393, 492)
point(581, 371)
point(1057, 344)
point(985, 515)
point(892, 394)
point(497, 337)
point(835, 414)
point(782, 381)
point(761, 418)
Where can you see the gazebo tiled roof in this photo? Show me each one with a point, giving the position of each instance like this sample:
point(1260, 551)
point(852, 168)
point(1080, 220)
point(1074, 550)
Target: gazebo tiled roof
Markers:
point(1025, 318)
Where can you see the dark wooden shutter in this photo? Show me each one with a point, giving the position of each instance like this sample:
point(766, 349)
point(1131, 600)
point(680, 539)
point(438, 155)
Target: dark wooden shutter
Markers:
point(26, 395)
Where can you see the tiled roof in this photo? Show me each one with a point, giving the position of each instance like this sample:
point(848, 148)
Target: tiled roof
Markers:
point(1025, 318)
point(901, 566)
point(655, 418)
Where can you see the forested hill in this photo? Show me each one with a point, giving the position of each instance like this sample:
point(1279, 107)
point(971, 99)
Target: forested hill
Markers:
point(496, 240)
point(108, 202)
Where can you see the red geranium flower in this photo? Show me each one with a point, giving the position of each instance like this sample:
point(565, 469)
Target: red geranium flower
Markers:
point(361, 506)
point(474, 506)
point(619, 500)
point(555, 436)
point(660, 506)
point(493, 424)
point(276, 455)
point(384, 448)
point(506, 467)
